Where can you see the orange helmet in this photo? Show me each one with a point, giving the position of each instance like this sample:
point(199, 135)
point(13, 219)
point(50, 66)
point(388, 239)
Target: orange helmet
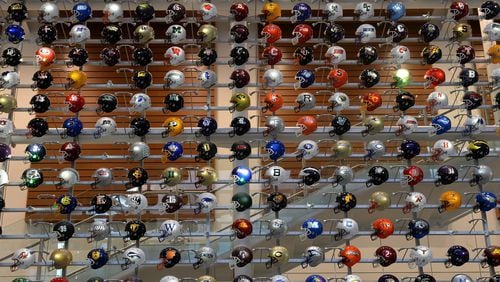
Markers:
point(450, 200)
point(274, 101)
point(350, 256)
point(45, 56)
point(307, 125)
point(382, 228)
point(271, 33)
point(76, 79)
point(494, 53)
point(173, 127)
point(271, 11)
point(338, 77)
point(371, 101)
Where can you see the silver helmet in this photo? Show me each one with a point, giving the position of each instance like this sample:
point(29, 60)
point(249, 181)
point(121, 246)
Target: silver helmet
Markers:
point(481, 174)
point(312, 256)
point(306, 101)
point(138, 151)
point(277, 228)
point(68, 177)
point(98, 230)
point(102, 177)
point(274, 125)
point(342, 175)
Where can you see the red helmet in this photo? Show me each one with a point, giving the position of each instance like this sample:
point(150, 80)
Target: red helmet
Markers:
point(240, 78)
point(239, 11)
point(70, 151)
point(45, 56)
point(371, 101)
point(301, 33)
point(271, 33)
point(75, 102)
point(382, 228)
point(272, 54)
point(59, 279)
point(242, 228)
point(434, 77)
point(307, 125)
point(350, 256)
point(274, 101)
point(413, 174)
point(338, 77)
point(386, 255)
point(459, 10)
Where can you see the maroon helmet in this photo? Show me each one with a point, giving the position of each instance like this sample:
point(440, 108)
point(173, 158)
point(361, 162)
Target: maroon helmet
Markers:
point(239, 33)
point(386, 255)
point(240, 78)
point(70, 151)
point(241, 256)
point(239, 11)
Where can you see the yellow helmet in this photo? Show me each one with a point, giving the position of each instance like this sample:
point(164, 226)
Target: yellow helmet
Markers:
point(271, 11)
point(206, 278)
point(450, 200)
point(173, 127)
point(206, 176)
point(61, 258)
point(494, 53)
point(240, 102)
point(7, 103)
point(144, 33)
point(206, 34)
point(76, 79)
point(278, 255)
point(461, 32)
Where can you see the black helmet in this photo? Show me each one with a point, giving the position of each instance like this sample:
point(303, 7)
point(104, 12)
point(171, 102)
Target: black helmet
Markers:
point(310, 176)
point(447, 174)
point(142, 56)
point(241, 150)
point(106, 103)
point(64, 230)
point(17, 12)
point(206, 151)
point(428, 32)
point(334, 33)
point(137, 176)
point(207, 56)
point(135, 230)
point(144, 12)
point(140, 126)
point(207, 125)
point(47, 34)
point(431, 54)
point(78, 56)
point(367, 55)
point(340, 124)
point(173, 102)
point(277, 201)
point(377, 175)
point(111, 33)
point(304, 55)
point(404, 101)
point(345, 202)
point(369, 78)
point(101, 203)
point(42, 79)
point(11, 56)
point(142, 79)
point(239, 56)
point(240, 125)
point(110, 56)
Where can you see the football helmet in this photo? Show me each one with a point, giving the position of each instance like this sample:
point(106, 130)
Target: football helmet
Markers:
point(207, 78)
point(419, 256)
point(340, 124)
point(206, 151)
point(272, 55)
point(367, 55)
point(68, 177)
point(277, 228)
point(140, 102)
point(138, 151)
point(76, 79)
point(277, 201)
point(365, 33)
point(97, 258)
point(175, 13)
point(70, 151)
point(312, 256)
point(22, 259)
point(309, 176)
point(173, 79)
point(133, 257)
point(112, 12)
point(11, 56)
point(35, 152)
point(104, 126)
point(385, 256)
point(304, 78)
point(332, 11)
point(206, 176)
point(175, 34)
point(271, 11)
point(402, 78)
point(363, 11)
point(276, 175)
point(442, 150)
point(10, 79)
point(48, 12)
point(485, 201)
point(468, 77)
point(395, 11)
point(446, 174)
point(472, 100)
point(382, 228)
point(350, 255)
point(207, 56)
point(342, 149)
point(142, 79)
point(434, 77)
point(303, 55)
point(240, 257)
point(206, 34)
point(412, 175)
point(75, 102)
point(45, 56)
point(241, 150)
point(171, 176)
point(102, 177)
point(208, 11)
point(239, 11)
point(143, 34)
point(333, 33)
point(457, 256)
point(335, 55)
point(414, 202)
point(375, 149)
point(81, 12)
point(66, 204)
point(477, 149)
point(347, 228)
point(400, 54)
point(458, 10)
point(78, 56)
point(142, 56)
point(440, 125)
point(79, 34)
point(436, 101)
point(140, 126)
point(397, 32)
point(169, 230)
point(241, 201)
point(428, 32)
point(489, 10)
point(342, 176)
point(338, 77)
point(378, 175)
point(274, 125)
point(239, 56)
point(272, 78)
point(239, 33)
point(311, 228)
point(345, 202)
point(373, 125)
point(473, 125)
point(275, 149)
point(64, 230)
point(207, 125)
point(205, 256)
point(37, 127)
point(481, 174)
point(270, 33)
point(110, 56)
point(461, 32)
point(408, 149)
point(240, 125)
point(306, 101)
point(111, 33)
point(371, 101)
point(6, 127)
point(369, 78)
point(99, 229)
point(240, 78)
point(241, 228)
point(15, 33)
point(300, 12)
point(307, 149)
point(60, 258)
point(173, 127)
point(465, 54)
point(169, 258)
point(241, 175)
point(492, 257)
point(450, 201)
point(492, 31)
point(278, 255)
point(418, 228)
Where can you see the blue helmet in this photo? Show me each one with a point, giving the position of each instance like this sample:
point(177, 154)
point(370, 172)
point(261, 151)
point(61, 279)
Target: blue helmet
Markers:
point(172, 151)
point(419, 228)
point(276, 149)
point(440, 124)
point(315, 278)
point(207, 125)
point(409, 149)
point(72, 127)
point(485, 201)
point(241, 175)
point(396, 10)
point(66, 204)
point(15, 33)
point(312, 228)
point(82, 12)
point(300, 12)
point(305, 78)
point(97, 258)
point(35, 152)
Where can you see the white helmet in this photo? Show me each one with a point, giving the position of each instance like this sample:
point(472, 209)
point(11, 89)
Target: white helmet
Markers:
point(276, 174)
point(482, 174)
point(419, 256)
point(23, 258)
point(133, 256)
point(312, 256)
point(208, 78)
point(275, 125)
point(306, 101)
point(79, 34)
point(136, 203)
point(400, 54)
point(169, 230)
point(307, 149)
point(414, 202)
point(339, 101)
point(104, 126)
point(169, 278)
point(140, 102)
point(474, 125)
point(48, 12)
point(352, 278)
point(112, 12)
point(375, 149)
point(462, 278)
point(4, 177)
point(495, 75)
point(406, 125)
point(208, 11)
point(99, 230)
point(442, 150)
point(68, 177)
point(342, 175)
point(436, 100)
point(175, 33)
point(9, 79)
point(138, 151)
point(272, 78)
point(365, 33)
point(175, 55)
point(347, 228)
point(364, 11)
point(277, 228)
point(174, 78)
point(492, 30)
point(204, 256)
point(6, 128)
point(279, 278)
point(333, 11)
point(205, 202)
point(336, 55)
point(102, 177)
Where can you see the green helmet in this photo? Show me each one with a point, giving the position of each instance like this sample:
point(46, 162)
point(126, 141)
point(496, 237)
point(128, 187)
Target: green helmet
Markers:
point(401, 78)
point(20, 279)
point(240, 102)
point(31, 178)
point(241, 201)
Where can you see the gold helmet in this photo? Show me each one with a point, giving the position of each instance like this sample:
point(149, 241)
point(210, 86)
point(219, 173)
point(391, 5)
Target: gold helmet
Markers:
point(173, 127)
point(379, 201)
point(7, 103)
point(461, 32)
point(206, 176)
point(270, 12)
point(494, 53)
point(450, 201)
point(61, 258)
point(206, 278)
point(143, 34)
point(278, 255)
point(373, 124)
point(171, 176)
point(206, 34)
point(342, 149)
point(240, 102)
point(76, 79)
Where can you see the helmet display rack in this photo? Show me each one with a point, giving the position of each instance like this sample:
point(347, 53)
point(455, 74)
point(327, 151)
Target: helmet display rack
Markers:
point(220, 138)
